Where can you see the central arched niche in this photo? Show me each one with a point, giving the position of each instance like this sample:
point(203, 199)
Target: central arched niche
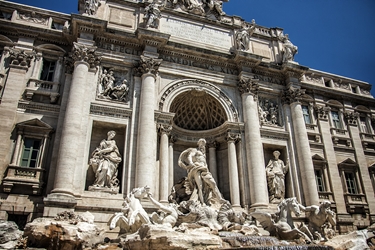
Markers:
point(197, 110)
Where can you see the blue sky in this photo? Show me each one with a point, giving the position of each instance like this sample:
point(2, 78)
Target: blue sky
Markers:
point(335, 36)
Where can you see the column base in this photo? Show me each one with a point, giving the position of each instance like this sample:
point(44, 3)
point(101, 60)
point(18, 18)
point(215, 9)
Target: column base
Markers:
point(56, 203)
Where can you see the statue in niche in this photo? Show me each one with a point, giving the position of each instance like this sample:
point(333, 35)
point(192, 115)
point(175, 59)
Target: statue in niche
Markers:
point(152, 15)
point(275, 171)
point(91, 6)
point(104, 161)
point(201, 182)
point(268, 112)
point(289, 50)
point(108, 88)
point(243, 36)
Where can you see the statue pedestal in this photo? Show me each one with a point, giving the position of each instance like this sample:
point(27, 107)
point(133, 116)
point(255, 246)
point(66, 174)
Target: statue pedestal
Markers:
point(104, 189)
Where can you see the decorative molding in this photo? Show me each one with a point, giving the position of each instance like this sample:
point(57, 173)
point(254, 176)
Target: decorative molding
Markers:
point(21, 58)
point(351, 117)
point(322, 112)
point(292, 95)
point(86, 54)
point(121, 113)
point(148, 65)
point(247, 85)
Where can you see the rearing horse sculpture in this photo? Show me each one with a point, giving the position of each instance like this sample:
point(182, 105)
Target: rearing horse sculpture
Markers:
point(282, 226)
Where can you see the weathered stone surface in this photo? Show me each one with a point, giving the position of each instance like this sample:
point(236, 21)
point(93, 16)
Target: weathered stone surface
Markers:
point(352, 241)
point(9, 235)
point(48, 233)
point(151, 237)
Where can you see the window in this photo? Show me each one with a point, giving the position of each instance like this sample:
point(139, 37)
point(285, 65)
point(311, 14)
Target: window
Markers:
point(306, 114)
point(48, 70)
point(319, 180)
point(336, 119)
point(363, 125)
point(351, 183)
point(30, 153)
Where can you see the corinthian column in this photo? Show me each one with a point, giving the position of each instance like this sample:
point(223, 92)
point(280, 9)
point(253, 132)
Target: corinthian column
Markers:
point(164, 131)
point(233, 170)
point(84, 58)
point(254, 147)
point(292, 96)
point(145, 171)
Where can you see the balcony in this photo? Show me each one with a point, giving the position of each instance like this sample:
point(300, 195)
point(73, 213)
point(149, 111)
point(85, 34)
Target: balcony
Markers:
point(21, 179)
point(44, 88)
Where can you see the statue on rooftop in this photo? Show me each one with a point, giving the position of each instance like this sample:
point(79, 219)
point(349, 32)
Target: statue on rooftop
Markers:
point(152, 15)
point(289, 50)
point(243, 36)
point(91, 6)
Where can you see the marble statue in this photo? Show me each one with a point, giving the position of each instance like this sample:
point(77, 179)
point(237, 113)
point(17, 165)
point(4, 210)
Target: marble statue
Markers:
point(133, 215)
point(108, 88)
point(104, 161)
point(216, 5)
point(289, 50)
point(152, 15)
point(321, 219)
point(275, 171)
point(243, 36)
point(268, 111)
point(91, 6)
point(281, 225)
point(168, 215)
point(200, 179)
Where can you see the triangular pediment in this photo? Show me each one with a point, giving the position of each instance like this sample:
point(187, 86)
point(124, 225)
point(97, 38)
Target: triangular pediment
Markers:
point(317, 157)
point(35, 124)
point(348, 162)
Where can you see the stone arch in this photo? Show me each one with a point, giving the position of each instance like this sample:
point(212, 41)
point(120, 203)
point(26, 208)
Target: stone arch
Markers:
point(51, 47)
point(176, 88)
point(335, 103)
point(6, 39)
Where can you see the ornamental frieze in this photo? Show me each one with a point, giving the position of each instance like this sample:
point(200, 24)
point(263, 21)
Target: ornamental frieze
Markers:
point(198, 64)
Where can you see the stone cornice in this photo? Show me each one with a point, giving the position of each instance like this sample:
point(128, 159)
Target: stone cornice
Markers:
point(113, 112)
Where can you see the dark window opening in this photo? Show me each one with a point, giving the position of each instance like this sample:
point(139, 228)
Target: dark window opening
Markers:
point(30, 153)
point(48, 70)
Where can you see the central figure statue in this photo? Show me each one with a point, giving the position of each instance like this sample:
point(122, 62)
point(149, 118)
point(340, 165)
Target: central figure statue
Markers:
point(201, 182)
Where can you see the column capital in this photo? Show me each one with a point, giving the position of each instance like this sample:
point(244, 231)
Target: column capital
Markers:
point(351, 117)
point(148, 65)
point(212, 144)
point(233, 137)
point(292, 95)
point(172, 139)
point(322, 111)
point(165, 129)
point(20, 58)
point(84, 53)
point(248, 85)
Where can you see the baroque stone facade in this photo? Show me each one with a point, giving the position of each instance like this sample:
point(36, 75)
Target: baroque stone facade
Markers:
point(160, 75)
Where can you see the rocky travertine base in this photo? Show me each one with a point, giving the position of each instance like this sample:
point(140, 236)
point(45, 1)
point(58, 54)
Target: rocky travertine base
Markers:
point(9, 235)
point(155, 237)
point(52, 234)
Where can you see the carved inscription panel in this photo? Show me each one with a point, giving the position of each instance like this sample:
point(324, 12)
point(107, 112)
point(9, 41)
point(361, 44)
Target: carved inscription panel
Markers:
point(194, 32)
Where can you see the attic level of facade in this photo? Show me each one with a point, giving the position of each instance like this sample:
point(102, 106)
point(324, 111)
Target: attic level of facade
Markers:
point(118, 29)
